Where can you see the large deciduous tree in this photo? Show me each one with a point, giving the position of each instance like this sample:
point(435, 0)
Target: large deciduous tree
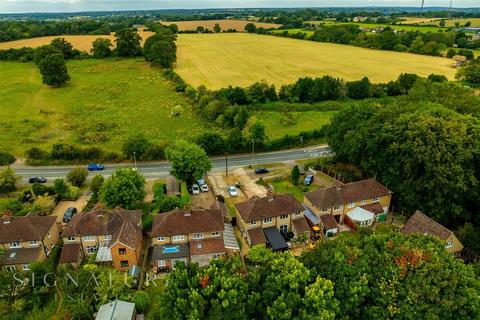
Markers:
point(101, 48)
point(128, 43)
point(125, 187)
point(54, 70)
point(189, 161)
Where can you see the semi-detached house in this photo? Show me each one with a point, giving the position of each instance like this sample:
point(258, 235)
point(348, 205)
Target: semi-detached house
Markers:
point(25, 240)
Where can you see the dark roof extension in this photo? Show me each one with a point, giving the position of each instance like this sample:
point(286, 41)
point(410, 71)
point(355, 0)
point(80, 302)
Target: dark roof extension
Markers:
point(421, 224)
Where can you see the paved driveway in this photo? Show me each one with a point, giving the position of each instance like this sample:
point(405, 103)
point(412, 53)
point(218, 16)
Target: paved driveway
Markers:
point(62, 206)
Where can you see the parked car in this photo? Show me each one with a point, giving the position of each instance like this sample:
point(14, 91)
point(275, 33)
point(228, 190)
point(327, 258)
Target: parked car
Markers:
point(261, 170)
point(37, 179)
point(95, 167)
point(308, 180)
point(232, 191)
point(68, 215)
point(203, 185)
point(195, 189)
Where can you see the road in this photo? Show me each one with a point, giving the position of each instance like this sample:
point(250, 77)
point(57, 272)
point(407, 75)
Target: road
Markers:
point(161, 169)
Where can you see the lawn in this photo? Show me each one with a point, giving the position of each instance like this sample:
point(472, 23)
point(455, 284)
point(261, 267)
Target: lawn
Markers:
point(451, 22)
point(293, 31)
point(238, 25)
point(298, 191)
point(278, 124)
point(106, 101)
point(219, 60)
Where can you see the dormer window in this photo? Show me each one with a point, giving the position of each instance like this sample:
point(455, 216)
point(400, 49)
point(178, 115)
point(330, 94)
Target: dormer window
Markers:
point(363, 202)
point(351, 204)
point(449, 244)
point(376, 199)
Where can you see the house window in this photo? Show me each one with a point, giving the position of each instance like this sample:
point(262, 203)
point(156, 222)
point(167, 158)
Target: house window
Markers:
point(351, 204)
point(15, 244)
point(324, 210)
point(376, 199)
point(297, 213)
point(197, 236)
point(33, 242)
point(267, 220)
point(253, 223)
point(335, 208)
point(108, 237)
point(10, 268)
point(25, 267)
point(178, 238)
point(91, 249)
point(124, 263)
point(89, 238)
point(161, 238)
point(162, 263)
point(47, 251)
point(284, 216)
point(449, 244)
point(363, 202)
point(71, 238)
point(49, 235)
point(284, 228)
point(122, 251)
point(215, 234)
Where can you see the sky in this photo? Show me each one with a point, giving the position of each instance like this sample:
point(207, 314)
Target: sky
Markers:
point(11, 6)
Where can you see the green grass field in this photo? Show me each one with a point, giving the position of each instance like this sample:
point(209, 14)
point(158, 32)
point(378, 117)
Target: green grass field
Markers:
point(397, 27)
point(219, 60)
point(105, 101)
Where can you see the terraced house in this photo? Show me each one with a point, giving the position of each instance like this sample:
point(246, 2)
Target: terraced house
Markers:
point(359, 203)
point(195, 236)
point(25, 240)
point(271, 220)
point(115, 236)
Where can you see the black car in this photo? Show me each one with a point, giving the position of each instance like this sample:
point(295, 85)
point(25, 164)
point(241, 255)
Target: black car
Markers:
point(37, 180)
point(261, 170)
point(68, 215)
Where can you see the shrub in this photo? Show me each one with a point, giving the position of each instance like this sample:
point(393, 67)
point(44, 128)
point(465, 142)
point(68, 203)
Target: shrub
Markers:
point(8, 180)
point(96, 183)
point(73, 193)
point(155, 152)
point(142, 301)
point(39, 189)
point(36, 154)
point(135, 146)
point(77, 176)
point(6, 158)
point(295, 174)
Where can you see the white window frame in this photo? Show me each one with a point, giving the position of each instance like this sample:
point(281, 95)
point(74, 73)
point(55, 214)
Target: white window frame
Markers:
point(284, 216)
point(215, 234)
point(449, 244)
point(107, 237)
point(179, 237)
point(268, 220)
point(336, 208)
point(47, 251)
point(162, 263)
point(10, 268)
point(160, 238)
point(49, 235)
point(281, 227)
point(253, 223)
point(15, 244)
point(324, 210)
point(88, 238)
point(376, 199)
point(351, 204)
point(71, 238)
point(25, 267)
point(33, 243)
point(197, 236)
point(363, 202)
point(298, 213)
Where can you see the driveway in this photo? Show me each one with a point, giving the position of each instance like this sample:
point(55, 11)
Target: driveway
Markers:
point(62, 206)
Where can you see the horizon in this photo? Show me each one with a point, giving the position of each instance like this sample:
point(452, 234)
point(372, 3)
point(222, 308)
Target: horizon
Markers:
point(83, 6)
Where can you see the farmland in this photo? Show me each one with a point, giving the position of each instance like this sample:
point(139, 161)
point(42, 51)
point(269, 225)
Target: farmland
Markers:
point(451, 22)
point(105, 101)
point(239, 25)
point(80, 42)
point(219, 60)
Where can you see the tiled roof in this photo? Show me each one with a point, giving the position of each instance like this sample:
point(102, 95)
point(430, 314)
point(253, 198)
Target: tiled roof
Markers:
point(122, 225)
point(373, 207)
point(207, 246)
point(28, 228)
point(70, 253)
point(300, 225)
point(328, 221)
point(256, 236)
point(20, 256)
point(342, 194)
point(268, 207)
point(421, 224)
point(181, 222)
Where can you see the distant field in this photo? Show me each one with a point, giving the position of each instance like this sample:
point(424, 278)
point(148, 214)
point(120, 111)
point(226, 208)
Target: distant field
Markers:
point(451, 22)
point(415, 20)
point(80, 42)
point(239, 25)
point(399, 27)
point(219, 60)
point(106, 101)
point(292, 31)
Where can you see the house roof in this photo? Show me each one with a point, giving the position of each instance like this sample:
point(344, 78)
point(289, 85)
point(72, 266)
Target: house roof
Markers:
point(256, 236)
point(222, 207)
point(207, 246)
point(420, 223)
point(28, 228)
point(341, 194)
point(275, 239)
point(374, 207)
point(180, 222)
point(300, 225)
point(173, 186)
point(328, 221)
point(122, 225)
point(360, 214)
point(117, 309)
point(20, 256)
point(70, 253)
point(268, 207)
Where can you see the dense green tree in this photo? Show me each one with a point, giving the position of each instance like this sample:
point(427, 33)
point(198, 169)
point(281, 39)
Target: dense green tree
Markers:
point(8, 180)
point(451, 53)
point(442, 23)
point(359, 89)
point(469, 236)
point(377, 276)
point(217, 28)
point(210, 141)
point(125, 187)
point(60, 188)
point(470, 72)
point(162, 54)
point(250, 27)
point(43, 51)
point(54, 70)
point(77, 176)
point(136, 145)
point(128, 43)
point(6, 158)
point(142, 301)
point(63, 46)
point(188, 160)
point(295, 175)
point(101, 48)
point(96, 183)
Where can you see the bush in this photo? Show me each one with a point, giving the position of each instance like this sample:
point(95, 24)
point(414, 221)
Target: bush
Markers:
point(96, 183)
point(77, 176)
point(37, 154)
point(6, 158)
point(39, 189)
point(73, 193)
point(135, 146)
point(8, 180)
point(155, 152)
point(142, 301)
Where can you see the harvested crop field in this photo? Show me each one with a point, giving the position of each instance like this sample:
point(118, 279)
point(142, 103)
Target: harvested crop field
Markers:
point(219, 60)
point(239, 25)
point(80, 42)
point(418, 20)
